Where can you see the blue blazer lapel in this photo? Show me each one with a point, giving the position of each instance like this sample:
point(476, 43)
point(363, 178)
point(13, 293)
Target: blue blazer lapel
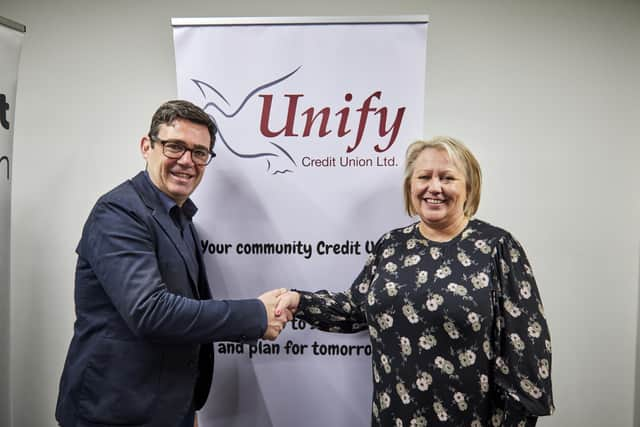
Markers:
point(150, 199)
point(203, 285)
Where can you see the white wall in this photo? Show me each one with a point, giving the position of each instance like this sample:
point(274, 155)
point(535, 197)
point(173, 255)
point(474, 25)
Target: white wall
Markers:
point(545, 92)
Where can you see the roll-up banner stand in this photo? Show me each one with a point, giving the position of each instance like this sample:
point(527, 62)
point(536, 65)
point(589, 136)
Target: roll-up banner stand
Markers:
point(315, 115)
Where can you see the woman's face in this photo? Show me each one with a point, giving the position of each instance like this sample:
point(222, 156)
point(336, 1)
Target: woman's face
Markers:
point(438, 189)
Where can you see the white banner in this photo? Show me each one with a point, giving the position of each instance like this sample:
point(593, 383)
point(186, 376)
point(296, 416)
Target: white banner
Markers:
point(314, 120)
point(10, 45)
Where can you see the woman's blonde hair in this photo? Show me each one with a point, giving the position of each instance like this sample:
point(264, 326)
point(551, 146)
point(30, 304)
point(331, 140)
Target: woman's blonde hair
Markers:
point(461, 157)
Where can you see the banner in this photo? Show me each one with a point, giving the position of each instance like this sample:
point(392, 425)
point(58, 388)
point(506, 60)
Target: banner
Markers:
point(11, 35)
point(314, 120)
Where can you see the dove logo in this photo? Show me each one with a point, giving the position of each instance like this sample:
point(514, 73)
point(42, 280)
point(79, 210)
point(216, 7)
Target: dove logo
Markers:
point(4, 109)
point(343, 115)
point(220, 110)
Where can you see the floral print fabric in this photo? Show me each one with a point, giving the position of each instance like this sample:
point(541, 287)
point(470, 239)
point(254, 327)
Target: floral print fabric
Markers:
point(457, 329)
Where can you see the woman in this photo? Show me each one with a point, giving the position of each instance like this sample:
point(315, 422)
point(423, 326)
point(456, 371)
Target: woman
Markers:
point(454, 316)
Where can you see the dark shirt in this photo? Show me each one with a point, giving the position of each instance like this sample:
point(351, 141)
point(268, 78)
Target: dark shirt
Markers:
point(182, 218)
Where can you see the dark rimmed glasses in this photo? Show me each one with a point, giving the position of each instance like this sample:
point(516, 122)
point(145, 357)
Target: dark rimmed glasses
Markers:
point(175, 149)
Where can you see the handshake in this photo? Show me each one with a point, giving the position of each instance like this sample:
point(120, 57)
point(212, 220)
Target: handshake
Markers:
point(280, 305)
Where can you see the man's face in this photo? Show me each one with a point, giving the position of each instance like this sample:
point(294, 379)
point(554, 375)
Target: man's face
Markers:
point(177, 178)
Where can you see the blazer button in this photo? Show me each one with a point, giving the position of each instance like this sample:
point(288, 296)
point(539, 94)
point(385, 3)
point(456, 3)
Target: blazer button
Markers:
point(191, 363)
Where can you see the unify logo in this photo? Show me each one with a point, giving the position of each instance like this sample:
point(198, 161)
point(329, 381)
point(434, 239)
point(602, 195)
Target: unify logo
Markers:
point(301, 122)
point(325, 114)
point(4, 110)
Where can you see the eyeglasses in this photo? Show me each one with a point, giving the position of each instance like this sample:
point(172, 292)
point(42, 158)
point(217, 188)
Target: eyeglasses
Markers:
point(175, 149)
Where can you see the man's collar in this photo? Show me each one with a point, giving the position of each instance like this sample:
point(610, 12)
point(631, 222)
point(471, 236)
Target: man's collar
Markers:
point(189, 208)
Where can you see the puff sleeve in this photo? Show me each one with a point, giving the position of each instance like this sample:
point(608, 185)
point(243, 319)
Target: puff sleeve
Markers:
point(340, 311)
point(522, 366)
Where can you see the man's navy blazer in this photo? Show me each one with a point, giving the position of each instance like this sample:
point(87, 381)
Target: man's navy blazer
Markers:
point(142, 352)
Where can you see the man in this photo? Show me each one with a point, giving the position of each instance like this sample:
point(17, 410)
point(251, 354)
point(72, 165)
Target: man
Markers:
point(142, 352)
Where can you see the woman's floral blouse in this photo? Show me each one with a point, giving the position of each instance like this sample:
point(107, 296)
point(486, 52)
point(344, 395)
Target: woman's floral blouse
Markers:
point(457, 329)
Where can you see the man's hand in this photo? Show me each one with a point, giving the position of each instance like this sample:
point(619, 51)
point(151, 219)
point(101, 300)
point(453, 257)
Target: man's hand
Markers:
point(275, 323)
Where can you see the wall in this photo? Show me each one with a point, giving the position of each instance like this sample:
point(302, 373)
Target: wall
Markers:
point(546, 94)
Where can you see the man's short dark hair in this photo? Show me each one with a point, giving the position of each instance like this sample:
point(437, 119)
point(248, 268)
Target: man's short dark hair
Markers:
point(168, 112)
